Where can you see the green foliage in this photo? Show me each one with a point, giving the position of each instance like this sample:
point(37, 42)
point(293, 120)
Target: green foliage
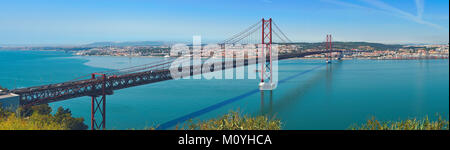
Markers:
point(4, 113)
point(33, 122)
point(65, 116)
point(234, 121)
point(40, 118)
point(409, 124)
point(42, 109)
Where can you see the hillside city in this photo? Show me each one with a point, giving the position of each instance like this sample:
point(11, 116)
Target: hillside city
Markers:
point(361, 51)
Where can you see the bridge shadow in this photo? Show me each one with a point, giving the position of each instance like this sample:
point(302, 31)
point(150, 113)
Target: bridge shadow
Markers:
point(195, 114)
point(294, 95)
point(266, 109)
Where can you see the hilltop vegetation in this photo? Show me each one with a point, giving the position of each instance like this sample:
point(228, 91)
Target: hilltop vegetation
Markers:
point(409, 124)
point(233, 121)
point(40, 118)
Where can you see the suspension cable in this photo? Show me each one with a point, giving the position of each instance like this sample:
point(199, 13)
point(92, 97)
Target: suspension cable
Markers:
point(279, 36)
point(241, 33)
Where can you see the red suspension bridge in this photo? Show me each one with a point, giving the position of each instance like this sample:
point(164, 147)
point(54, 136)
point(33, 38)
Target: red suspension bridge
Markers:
point(98, 85)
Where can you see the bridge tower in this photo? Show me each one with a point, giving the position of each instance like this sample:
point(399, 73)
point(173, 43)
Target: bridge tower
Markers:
point(98, 105)
point(266, 48)
point(329, 48)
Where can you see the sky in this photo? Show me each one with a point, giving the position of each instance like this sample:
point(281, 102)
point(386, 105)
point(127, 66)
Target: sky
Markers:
point(75, 22)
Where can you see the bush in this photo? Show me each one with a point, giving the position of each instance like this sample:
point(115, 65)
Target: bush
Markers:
point(40, 118)
point(409, 124)
point(33, 122)
point(64, 116)
point(234, 121)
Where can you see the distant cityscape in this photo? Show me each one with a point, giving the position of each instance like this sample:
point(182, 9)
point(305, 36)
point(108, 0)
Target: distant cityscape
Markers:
point(362, 50)
point(405, 52)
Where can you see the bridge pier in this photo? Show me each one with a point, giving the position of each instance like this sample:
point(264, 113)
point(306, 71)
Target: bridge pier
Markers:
point(98, 105)
point(329, 47)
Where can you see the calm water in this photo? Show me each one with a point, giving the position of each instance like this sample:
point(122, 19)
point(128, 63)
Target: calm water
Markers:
point(311, 95)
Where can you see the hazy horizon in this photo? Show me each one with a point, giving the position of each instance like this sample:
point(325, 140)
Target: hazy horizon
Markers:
point(186, 42)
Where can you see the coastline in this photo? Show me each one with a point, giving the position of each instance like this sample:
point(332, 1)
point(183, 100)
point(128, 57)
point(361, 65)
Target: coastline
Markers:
point(362, 58)
point(115, 62)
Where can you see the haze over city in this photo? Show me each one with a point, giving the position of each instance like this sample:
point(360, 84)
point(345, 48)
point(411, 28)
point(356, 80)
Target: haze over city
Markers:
point(74, 22)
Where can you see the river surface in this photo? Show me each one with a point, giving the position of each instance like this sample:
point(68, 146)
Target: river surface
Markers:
point(310, 95)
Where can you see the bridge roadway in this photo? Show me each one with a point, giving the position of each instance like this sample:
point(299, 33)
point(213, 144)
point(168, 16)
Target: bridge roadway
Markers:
point(94, 87)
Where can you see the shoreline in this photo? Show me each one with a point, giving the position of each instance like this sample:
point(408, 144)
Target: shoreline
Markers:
point(361, 58)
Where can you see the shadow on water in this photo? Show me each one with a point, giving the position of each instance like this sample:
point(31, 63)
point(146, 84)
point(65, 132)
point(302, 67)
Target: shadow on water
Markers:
point(210, 108)
point(267, 109)
point(329, 78)
point(293, 96)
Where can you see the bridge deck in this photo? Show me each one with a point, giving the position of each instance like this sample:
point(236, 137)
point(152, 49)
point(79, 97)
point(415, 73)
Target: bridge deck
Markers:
point(92, 87)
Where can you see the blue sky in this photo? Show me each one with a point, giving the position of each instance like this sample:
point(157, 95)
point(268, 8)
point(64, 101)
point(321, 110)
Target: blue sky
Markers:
point(71, 22)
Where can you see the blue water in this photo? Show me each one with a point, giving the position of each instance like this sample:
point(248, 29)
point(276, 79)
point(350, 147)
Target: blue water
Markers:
point(310, 95)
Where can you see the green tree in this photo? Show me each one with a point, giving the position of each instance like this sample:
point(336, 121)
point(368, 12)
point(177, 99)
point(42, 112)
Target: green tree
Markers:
point(65, 116)
point(41, 114)
point(43, 109)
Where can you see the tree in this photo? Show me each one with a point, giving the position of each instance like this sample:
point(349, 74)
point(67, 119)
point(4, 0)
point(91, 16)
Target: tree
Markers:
point(43, 109)
point(62, 116)
point(65, 116)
